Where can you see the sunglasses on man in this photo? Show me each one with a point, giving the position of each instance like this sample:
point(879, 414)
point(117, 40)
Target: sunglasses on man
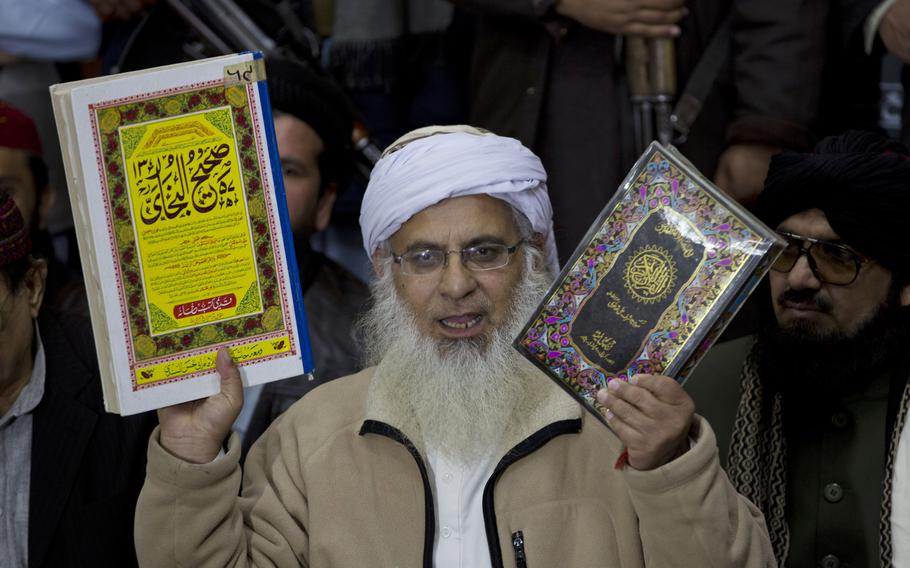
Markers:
point(832, 263)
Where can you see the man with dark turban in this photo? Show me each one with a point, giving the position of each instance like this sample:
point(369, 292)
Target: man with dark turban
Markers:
point(819, 440)
point(452, 450)
point(313, 133)
point(69, 472)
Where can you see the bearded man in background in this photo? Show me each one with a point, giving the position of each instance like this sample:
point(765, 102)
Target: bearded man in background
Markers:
point(819, 440)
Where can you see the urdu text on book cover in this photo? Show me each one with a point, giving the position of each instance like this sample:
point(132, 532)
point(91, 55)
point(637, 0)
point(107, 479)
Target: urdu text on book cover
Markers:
point(183, 229)
point(656, 279)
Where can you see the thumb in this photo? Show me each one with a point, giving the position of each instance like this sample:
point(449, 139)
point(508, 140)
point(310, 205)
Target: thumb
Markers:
point(231, 384)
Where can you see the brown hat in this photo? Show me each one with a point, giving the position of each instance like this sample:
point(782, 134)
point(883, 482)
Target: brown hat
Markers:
point(14, 240)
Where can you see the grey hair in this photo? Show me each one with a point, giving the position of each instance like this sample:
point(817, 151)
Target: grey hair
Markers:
point(525, 228)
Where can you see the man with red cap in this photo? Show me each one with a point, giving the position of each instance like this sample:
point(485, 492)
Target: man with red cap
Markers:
point(69, 472)
point(24, 176)
point(23, 173)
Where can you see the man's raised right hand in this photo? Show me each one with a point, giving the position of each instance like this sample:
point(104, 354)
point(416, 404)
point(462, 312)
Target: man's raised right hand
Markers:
point(194, 431)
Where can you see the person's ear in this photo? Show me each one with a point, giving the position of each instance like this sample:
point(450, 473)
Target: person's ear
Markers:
point(46, 199)
point(380, 263)
point(324, 206)
point(539, 241)
point(35, 280)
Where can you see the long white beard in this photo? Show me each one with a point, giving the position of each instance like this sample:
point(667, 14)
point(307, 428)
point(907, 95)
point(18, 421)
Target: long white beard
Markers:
point(462, 392)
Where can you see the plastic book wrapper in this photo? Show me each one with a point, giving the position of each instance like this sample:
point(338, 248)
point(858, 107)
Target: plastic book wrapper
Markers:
point(182, 226)
point(655, 281)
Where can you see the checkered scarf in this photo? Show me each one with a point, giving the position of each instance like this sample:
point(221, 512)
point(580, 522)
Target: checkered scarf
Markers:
point(757, 465)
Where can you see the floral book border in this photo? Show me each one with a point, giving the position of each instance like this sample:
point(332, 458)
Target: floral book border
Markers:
point(142, 348)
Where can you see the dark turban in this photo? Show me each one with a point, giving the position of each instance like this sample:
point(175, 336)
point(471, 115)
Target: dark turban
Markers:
point(860, 180)
point(299, 91)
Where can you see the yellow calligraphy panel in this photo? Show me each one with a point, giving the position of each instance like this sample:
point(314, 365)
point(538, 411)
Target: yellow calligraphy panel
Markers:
point(191, 221)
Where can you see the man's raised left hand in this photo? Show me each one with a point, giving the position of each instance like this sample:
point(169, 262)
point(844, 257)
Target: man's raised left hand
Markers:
point(652, 415)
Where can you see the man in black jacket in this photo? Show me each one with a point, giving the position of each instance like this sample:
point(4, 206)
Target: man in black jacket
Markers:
point(313, 132)
point(551, 73)
point(69, 473)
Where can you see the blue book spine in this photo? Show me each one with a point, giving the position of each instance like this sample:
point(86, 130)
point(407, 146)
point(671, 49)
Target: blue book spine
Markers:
point(306, 351)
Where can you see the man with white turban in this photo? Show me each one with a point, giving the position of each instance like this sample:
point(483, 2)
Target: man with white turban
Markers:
point(452, 449)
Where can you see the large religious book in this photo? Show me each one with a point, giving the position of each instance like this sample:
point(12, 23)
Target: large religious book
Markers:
point(183, 232)
point(657, 278)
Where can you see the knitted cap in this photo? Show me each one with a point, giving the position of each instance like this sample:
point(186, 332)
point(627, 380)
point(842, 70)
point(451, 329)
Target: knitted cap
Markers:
point(14, 240)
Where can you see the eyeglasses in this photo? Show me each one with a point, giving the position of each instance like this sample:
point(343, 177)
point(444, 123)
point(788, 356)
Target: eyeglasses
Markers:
point(477, 258)
point(831, 263)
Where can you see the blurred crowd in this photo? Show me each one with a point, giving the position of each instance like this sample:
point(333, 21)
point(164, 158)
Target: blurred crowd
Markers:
point(747, 79)
point(751, 78)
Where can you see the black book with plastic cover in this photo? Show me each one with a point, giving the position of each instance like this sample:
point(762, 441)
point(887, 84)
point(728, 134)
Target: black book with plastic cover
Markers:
point(656, 279)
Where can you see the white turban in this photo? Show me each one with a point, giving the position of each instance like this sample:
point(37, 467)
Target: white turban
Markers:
point(454, 162)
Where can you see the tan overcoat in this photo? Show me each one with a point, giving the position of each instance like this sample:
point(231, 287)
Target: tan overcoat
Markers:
point(339, 481)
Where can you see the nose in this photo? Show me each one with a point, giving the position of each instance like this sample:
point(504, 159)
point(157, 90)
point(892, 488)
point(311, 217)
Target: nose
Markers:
point(456, 281)
point(801, 276)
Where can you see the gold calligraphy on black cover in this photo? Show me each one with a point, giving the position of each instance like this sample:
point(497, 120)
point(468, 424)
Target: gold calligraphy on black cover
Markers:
point(656, 264)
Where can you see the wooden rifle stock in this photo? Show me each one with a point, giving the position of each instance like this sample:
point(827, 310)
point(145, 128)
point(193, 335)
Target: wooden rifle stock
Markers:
point(650, 66)
point(663, 82)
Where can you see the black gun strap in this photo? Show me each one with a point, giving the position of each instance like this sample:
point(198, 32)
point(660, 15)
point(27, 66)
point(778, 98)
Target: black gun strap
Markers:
point(689, 104)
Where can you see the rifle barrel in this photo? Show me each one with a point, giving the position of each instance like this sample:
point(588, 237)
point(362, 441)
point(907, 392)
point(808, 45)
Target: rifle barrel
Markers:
point(200, 26)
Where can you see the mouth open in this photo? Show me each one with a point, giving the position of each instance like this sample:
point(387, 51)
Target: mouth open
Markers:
point(462, 322)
